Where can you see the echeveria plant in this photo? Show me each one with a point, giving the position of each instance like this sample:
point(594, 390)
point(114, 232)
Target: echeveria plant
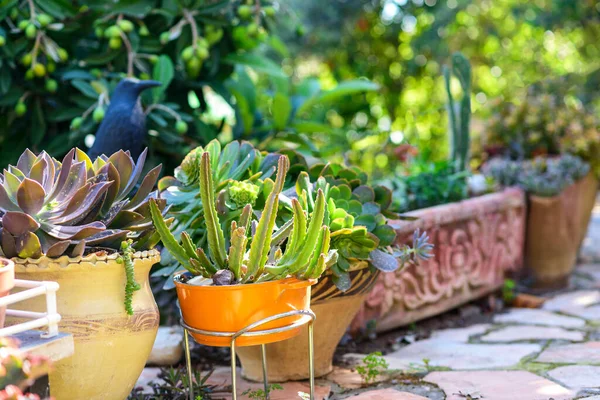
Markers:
point(355, 215)
point(52, 208)
point(305, 254)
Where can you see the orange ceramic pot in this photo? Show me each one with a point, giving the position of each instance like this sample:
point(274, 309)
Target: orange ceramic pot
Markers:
point(7, 282)
point(232, 308)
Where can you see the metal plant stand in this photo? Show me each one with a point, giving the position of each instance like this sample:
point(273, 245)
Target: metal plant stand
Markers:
point(308, 318)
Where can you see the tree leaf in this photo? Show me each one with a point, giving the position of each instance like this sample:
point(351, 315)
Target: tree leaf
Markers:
point(85, 88)
point(282, 108)
point(256, 62)
point(343, 89)
point(5, 79)
point(163, 72)
point(38, 122)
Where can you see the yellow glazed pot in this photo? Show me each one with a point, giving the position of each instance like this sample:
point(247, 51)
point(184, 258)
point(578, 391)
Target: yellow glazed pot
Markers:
point(111, 347)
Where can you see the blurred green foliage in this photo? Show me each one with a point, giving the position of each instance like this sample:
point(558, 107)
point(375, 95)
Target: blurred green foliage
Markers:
point(402, 44)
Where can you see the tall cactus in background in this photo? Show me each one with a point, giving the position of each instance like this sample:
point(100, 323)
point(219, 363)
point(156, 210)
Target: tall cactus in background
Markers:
point(459, 114)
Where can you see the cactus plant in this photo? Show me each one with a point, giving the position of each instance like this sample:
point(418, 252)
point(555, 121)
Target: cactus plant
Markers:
point(459, 114)
point(306, 252)
point(52, 208)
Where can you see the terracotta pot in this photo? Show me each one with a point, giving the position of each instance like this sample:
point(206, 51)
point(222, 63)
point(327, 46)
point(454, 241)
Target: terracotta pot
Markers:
point(477, 243)
point(232, 308)
point(288, 360)
point(7, 282)
point(111, 347)
point(555, 228)
point(589, 191)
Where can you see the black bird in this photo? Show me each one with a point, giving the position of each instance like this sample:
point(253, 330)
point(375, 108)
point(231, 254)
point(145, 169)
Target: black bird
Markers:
point(124, 124)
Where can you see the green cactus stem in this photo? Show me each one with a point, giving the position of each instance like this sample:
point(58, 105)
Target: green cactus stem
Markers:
point(261, 242)
point(459, 119)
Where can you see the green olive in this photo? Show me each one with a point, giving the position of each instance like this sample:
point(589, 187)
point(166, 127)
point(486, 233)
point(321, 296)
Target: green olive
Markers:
point(165, 37)
point(2, 41)
point(23, 24)
point(44, 20)
point(202, 53)
point(181, 127)
point(98, 114)
point(187, 53)
point(50, 67)
point(26, 59)
point(244, 12)
point(62, 54)
point(76, 123)
point(252, 29)
point(51, 85)
point(29, 75)
point(269, 11)
point(126, 25)
point(20, 109)
point(144, 31)
point(115, 43)
point(30, 31)
point(39, 70)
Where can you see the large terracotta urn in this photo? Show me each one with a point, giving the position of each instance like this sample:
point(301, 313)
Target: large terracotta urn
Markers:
point(111, 347)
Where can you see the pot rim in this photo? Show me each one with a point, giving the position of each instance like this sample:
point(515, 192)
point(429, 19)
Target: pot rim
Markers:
point(299, 283)
point(63, 262)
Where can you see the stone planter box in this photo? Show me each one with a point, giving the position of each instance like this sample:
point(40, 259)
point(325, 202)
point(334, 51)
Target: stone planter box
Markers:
point(477, 241)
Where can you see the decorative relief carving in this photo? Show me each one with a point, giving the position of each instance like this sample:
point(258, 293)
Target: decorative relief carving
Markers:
point(476, 242)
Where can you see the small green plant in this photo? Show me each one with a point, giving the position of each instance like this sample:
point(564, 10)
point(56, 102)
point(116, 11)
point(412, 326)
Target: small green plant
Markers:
point(373, 365)
point(259, 394)
point(508, 291)
point(173, 384)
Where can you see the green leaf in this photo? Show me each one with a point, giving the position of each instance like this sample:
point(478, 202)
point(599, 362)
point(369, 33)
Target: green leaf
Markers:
point(256, 62)
point(282, 108)
point(386, 235)
point(383, 261)
point(38, 123)
point(11, 97)
point(5, 80)
point(77, 74)
point(163, 72)
point(58, 8)
point(343, 89)
point(311, 127)
point(85, 88)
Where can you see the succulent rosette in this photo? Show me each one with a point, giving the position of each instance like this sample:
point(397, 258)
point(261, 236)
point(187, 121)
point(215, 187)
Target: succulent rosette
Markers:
point(357, 215)
point(57, 208)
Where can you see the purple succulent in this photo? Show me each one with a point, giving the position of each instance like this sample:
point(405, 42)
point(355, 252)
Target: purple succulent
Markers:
point(52, 208)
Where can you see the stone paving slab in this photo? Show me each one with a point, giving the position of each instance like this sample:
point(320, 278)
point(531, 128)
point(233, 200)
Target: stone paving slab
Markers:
point(387, 394)
point(573, 303)
point(590, 270)
point(577, 377)
point(498, 385)
point(584, 353)
point(444, 353)
point(520, 333)
point(532, 316)
point(461, 335)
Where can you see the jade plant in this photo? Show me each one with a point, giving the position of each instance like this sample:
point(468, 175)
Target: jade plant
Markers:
point(18, 370)
point(53, 209)
point(255, 252)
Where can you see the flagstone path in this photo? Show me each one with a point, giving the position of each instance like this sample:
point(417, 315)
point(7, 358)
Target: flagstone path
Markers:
point(552, 353)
